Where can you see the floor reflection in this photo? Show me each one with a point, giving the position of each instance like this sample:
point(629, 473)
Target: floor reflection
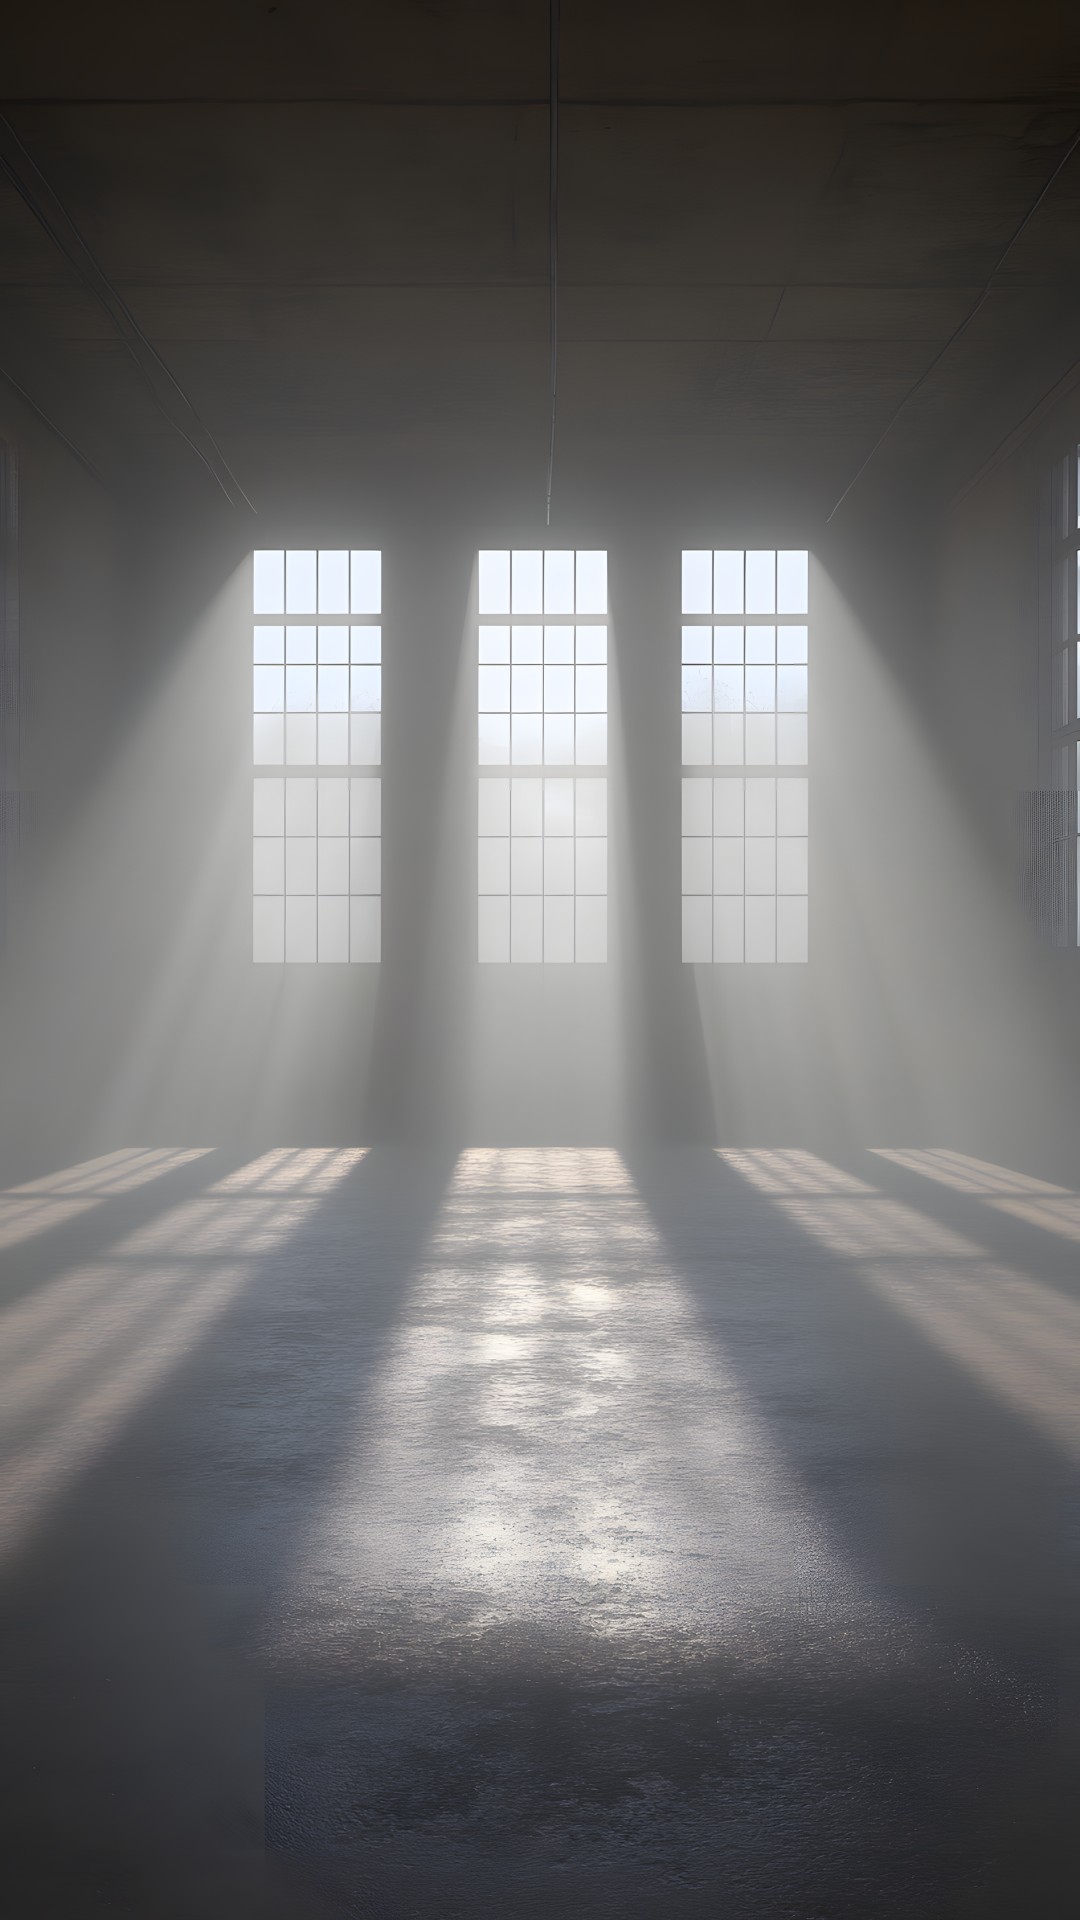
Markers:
point(553, 1436)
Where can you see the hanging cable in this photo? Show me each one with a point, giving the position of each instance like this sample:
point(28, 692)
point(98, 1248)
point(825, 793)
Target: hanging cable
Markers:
point(964, 323)
point(57, 432)
point(553, 243)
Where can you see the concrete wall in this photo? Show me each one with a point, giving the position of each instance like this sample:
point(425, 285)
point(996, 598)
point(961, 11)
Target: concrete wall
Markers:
point(133, 1010)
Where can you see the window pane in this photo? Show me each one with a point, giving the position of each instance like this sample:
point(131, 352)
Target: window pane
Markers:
point(559, 582)
point(792, 930)
point(527, 739)
point(527, 929)
point(559, 807)
point(760, 922)
point(526, 807)
point(592, 689)
point(366, 645)
point(300, 594)
point(493, 928)
point(697, 803)
point(559, 689)
point(300, 645)
point(590, 930)
point(269, 582)
point(333, 805)
point(792, 588)
point(728, 917)
point(333, 646)
point(269, 740)
point(268, 866)
point(333, 689)
point(495, 645)
point(493, 864)
point(728, 581)
point(559, 865)
point(300, 689)
point(592, 582)
point(559, 645)
point(268, 930)
point(697, 930)
point(365, 866)
point(526, 645)
point(697, 581)
point(527, 689)
point(558, 929)
point(366, 572)
point(494, 581)
point(268, 813)
point(494, 689)
point(760, 689)
point(269, 689)
point(333, 581)
point(591, 744)
point(791, 689)
point(333, 930)
point(333, 868)
point(270, 644)
point(365, 692)
point(494, 731)
point(365, 807)
point(365, 929)
point(590, 806)
point(792, 866)
point(760, 802)
point(728, 689)
point(300, 739)
point(333, 740)
point(761, 582)
point(527, 581)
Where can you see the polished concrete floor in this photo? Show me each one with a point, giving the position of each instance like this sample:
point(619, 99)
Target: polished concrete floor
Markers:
point(539, 1532)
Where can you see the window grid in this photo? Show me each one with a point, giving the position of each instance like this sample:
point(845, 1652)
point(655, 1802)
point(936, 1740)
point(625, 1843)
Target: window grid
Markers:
point(317, 700)
point(745, 666)
point(542, 738)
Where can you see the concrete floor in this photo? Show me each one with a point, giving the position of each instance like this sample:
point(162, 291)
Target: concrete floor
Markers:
point(539, 1532)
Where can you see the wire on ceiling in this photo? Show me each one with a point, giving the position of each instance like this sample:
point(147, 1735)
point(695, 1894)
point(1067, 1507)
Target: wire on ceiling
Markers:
point(964, 324)
point(553, 242)
point(82, 262)
point(57, 432)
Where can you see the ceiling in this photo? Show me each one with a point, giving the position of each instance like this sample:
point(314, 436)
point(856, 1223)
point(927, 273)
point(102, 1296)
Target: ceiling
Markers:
point(331, 222)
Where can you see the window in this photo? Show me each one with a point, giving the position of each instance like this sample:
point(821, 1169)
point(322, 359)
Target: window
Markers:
point(744, 742)
point(317, 713)
point(542, 711)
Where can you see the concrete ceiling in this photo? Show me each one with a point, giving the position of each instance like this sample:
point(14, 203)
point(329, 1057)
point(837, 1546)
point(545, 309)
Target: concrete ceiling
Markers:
point(331, 219)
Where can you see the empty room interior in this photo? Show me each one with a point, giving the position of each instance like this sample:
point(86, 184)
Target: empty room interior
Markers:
point(539, 960)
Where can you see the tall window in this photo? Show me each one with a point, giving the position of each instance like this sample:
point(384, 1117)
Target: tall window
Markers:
point(744, 745)
point(542, 847)
point(317, 709)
